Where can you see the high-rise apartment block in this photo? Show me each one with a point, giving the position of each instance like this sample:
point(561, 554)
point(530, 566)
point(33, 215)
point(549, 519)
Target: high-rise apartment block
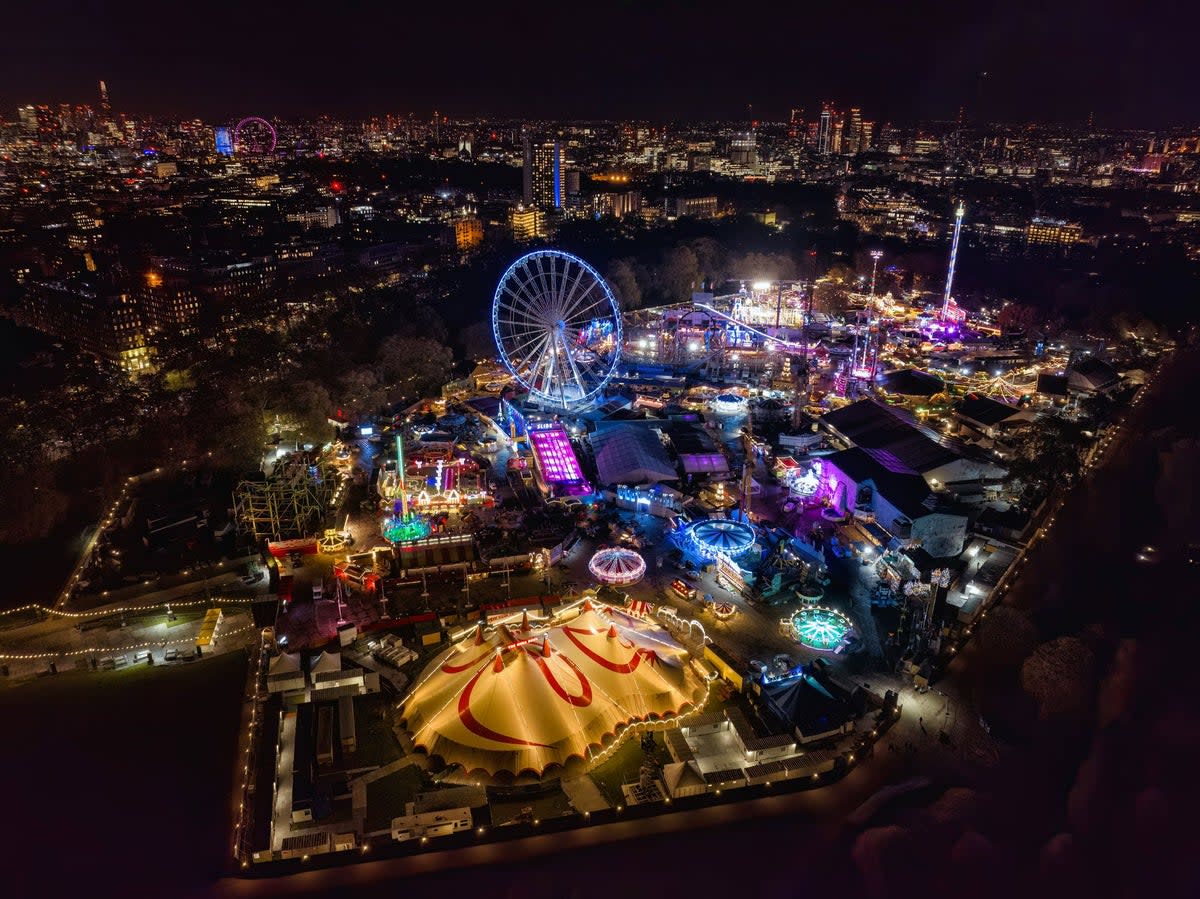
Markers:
point(543, 174)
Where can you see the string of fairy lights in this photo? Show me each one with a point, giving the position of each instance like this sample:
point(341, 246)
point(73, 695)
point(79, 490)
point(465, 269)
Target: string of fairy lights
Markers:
point(96, 650)
point(105, 611)
point(243, 824)
point(1094, 461)
point(106, 521)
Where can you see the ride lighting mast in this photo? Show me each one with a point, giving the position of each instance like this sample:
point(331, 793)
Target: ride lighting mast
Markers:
point(876, 255)
point(958, 217)
point(400, 475)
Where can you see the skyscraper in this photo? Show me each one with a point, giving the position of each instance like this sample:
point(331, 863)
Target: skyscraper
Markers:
point(852, 138)
point(825, 130)
point(796, 124)
point(743, 150)
point(543, 174)
point(105, 107)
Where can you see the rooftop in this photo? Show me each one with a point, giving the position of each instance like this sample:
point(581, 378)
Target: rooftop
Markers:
point(874, 426)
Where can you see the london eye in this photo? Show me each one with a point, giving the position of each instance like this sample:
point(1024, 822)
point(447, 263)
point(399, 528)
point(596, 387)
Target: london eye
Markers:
point(557, 328)
point(254, 136)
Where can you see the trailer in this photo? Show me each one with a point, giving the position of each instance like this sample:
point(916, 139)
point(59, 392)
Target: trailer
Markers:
point(431, 824)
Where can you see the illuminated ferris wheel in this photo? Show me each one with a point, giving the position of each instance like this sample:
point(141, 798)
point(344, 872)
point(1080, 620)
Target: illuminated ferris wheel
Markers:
point(254, 136)
point(557, 327)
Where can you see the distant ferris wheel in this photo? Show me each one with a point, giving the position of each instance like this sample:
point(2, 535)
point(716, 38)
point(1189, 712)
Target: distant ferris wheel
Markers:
point(254, 136)
point(557, 327)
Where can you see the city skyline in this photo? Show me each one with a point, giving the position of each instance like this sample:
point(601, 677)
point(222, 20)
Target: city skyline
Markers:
point(999, 62)
point(659, 447)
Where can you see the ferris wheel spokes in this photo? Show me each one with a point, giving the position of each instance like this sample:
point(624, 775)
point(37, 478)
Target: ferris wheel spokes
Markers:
point(557, 326)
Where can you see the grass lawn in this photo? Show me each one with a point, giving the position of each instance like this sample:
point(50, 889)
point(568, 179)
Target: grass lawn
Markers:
point(183, 616)
point(621, 767)
point(131, 771)
point(624, 766)
point(388, 796)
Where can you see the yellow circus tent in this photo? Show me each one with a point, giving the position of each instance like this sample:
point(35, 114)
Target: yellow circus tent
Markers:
point(520, 700)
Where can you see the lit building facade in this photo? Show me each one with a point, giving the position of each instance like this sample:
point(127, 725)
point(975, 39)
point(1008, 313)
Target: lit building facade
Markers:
point(525, 222)
point(543, 174)
point(468, 233)
point(106, 323)
point(170, 306)
point(825, 131)
point(1044, 232)
point(695, 207)
point(852, 137)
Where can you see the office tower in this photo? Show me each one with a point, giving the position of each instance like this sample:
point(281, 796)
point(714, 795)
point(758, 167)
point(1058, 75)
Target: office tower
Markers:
point(743, 151)
point(105, 107)
point(825, 130)
point(852, 138)
point(28, 119)
point(526, 168)
point(839, 129)
point(224, 141)
point(47, 123)
point(571, 188)
point(868, 133)
point(544, 174)
point(796, 125)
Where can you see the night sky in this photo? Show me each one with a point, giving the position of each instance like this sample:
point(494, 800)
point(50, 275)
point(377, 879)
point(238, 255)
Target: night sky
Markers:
point(1049, 60)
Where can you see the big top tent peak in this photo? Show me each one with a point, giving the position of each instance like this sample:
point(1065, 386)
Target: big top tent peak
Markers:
point(528, 702)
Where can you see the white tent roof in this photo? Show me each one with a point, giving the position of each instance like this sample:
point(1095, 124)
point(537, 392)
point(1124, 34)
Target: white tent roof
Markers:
point(631, 454)
point(681, 775)
point(524, 700)
point(326, 661)
point(284, 663)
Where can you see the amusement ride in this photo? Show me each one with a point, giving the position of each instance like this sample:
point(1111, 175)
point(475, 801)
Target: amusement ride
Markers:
point(558, 328)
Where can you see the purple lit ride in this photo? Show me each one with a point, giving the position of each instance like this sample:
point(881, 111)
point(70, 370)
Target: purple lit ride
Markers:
point(254, 136)
point(556, 462)
point(557, 327)
point(617, 566)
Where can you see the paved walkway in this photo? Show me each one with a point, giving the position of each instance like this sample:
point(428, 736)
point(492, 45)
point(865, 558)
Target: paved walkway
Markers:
point(389, 768)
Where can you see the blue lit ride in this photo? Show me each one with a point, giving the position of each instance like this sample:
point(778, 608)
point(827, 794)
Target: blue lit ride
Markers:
point(714, 537)
point(557, 327)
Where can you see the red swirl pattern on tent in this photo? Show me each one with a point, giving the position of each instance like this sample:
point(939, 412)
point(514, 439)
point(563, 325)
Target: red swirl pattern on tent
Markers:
point(522, 700)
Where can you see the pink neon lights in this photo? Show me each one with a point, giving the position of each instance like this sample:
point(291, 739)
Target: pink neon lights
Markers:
point(555, 458)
